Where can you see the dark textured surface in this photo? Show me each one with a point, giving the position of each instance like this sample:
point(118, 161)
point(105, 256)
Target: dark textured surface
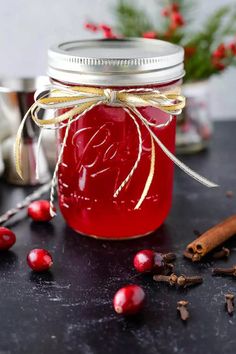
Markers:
point(69, 309)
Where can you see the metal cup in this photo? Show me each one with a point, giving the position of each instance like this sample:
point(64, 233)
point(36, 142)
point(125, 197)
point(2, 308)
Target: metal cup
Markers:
point(16, 97)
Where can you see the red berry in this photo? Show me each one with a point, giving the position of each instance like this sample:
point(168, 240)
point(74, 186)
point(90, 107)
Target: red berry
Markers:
point(107, 31)
point(176, 20)
point(218, 65)
point(232, 47)
point(91, 27)
point(149, 35)
point(7, 238)
point(220, 52)
point(40, 210)
point(110, 35)
point(217, 54)
point(190, 51)
point(148, 260)
point(105, 28)
point(39, 260)
point(129, 300)
point(144, 261)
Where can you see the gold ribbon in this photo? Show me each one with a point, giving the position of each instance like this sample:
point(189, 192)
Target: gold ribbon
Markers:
point(79, 100)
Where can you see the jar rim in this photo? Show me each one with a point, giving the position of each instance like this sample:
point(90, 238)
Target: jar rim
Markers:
point(116, 62)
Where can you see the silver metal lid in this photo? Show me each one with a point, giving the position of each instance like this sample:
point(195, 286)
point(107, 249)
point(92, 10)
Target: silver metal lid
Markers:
point(121, 62)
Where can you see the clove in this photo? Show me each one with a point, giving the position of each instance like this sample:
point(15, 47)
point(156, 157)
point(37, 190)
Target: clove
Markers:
point(169, 257)
point(168, 269)
point(171, 279)
point(223, 253)
point(225, 271)
point(184, 281)
point(195, 257)
point(183, 310)
point(181, 281)
point(229, 302)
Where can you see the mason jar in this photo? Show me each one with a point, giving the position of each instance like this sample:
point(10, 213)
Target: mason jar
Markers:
point(102, 146)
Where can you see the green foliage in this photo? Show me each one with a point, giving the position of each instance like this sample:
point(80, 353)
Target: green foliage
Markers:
point(133, 22)
point(200, 65)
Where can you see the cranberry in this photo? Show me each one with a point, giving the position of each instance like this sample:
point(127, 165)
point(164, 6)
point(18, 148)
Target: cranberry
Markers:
point(7, 238)
point(129, 300)
point(39, 260)
point(144, 261)
point(149, 260)
point(40, 210)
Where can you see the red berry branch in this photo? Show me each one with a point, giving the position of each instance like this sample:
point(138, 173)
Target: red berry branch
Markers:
point(106, 30)
point(224, 55)
point(175, 18)
point(207, 51)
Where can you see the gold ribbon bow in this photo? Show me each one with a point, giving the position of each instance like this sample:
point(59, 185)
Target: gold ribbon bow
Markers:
point(79, 100)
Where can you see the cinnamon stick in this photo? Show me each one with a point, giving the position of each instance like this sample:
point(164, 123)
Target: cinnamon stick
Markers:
point(212, 238)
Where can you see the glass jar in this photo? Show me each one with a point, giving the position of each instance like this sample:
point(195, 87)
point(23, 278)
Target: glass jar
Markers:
point(102, 146)
point(194, 128)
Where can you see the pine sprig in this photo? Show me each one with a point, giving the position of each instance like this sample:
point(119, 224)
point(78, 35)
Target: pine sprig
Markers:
point(200, 66)
point(132, 22)
point(201, 46)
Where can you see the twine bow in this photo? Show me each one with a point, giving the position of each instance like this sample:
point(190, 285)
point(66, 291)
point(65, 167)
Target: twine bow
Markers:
point(79, 100)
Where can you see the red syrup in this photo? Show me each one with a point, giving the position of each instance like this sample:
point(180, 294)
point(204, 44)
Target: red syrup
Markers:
point(101, 149)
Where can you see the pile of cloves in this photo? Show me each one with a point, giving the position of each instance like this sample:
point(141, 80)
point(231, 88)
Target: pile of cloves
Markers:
point(182, 307)
point(161, 265)
point(205, 244)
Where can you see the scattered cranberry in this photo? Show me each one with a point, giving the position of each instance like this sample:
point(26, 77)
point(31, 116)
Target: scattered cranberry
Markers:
point(148, 260)
point(40, 210)
point(144, 261)
point(129, 300)
point(7, 238)
point(39, 260)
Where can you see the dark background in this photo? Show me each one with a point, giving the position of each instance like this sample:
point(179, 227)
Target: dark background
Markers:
point(70, 308)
